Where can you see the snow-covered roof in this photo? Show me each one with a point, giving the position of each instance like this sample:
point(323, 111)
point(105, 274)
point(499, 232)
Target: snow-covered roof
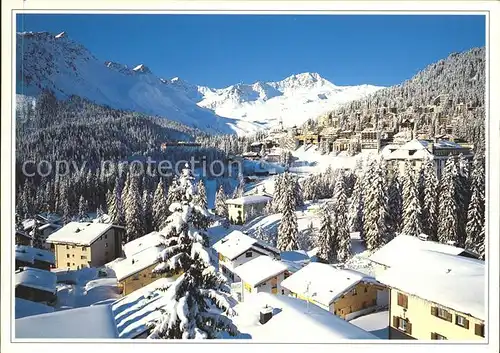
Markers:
point(30, 254)
point(25, 308)
point(49, 225)
point(137, 245)
point(249, 200)
point(36, 278)
point(49, 217)
point(126, 267)
point(87, 322)
point(403, 246)
point(28, 224)
point(452, 281)
point(293, 321)
point(414, 149)
point(325, 282)
point(295, 259)
point(259, 270)
point(82, 233)
point(236, 243)
point(132, 312)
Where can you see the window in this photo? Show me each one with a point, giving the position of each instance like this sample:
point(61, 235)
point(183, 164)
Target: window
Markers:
point(282, 292)
point(401, 324)
point(366, 289)
point(106, 245)
point(136, 277)
point(83, 257)
point(84, 248)
point(437, 336)
point(105, 253)
point(441, 313)
point(248, 254)
point(479, 330)
point(105, 236)
point(67, 246)
point(354, 292)
point(403, 300)
point(67, 256)
point(72, 255)
point(68, 264)
point(462, 321)
point(73, 264)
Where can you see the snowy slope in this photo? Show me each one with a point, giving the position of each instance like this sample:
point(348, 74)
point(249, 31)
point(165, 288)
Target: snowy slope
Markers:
point(292, 100)
point(56, 62)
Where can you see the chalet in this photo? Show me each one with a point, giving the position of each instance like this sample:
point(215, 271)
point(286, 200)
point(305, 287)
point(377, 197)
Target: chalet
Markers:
point(436, 296)
point(261, 274)
point(141, 258)
point(345, 293)
point(246, 207)
point(78, 245)
point(36, 285)
point(27, 256)
point(370, 140)
point(237, 248)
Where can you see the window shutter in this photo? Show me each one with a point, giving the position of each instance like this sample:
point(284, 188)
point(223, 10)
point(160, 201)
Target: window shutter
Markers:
point(433, 336)
point(466, 323)
point(405, 301)
point(395, 322)
point(449, 316)
point(408, 327)
point(433, 311)
point(400, 300)
point(479, 330)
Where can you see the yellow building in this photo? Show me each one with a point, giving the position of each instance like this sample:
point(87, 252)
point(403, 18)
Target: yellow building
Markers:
point(86, 244)
point(345, 293)
point(436, 296)
point(262, 274)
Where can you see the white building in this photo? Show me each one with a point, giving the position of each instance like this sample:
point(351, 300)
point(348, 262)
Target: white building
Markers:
point(262, 274)
point(246, 207)
point(237, 248)
point(416, 151)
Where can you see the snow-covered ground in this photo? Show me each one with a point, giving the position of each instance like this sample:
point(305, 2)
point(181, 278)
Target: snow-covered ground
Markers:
point(375, 323)
point(83, 288)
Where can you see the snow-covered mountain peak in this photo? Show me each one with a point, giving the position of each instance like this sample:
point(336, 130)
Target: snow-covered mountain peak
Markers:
point(301, 82)
point(142, 69)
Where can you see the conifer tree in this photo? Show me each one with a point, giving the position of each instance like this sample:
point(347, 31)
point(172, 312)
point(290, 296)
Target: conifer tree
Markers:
point(134, 216)
point(324, 240)
point(201, 197)
point(341, 229)
point(462, 191)
point(221, 208)
point(411, 202)
point(395, 201)
point(288, 228)
point(193, 296)
point(36, 235)
point(240, 189)
point(429, 199)
point(475, 216)
point(147, 207)
point(82, 209)
point(447, 222)
point(160, 210)
point(112, 205)
point(355, 211)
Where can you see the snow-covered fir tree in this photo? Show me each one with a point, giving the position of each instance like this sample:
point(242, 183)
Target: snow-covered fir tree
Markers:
point(82, 209)
point(355, 211)
point(147, 210)
point(160, 210)
point(134, 215)
point(428, 200)
point(265, 236)
point(375, 204)
point(475, 216)
point(199, 304)
point(411, 203)
point(221, 208)
point(395, 201)
point(288, 228)
point(112, 205)
point(201, 197)
point(447, 227)
point(324, 240)
point(462, 192)
point(36, 235)
point(341, 227)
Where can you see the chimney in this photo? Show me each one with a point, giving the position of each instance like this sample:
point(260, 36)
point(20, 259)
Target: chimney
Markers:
point(266, 314)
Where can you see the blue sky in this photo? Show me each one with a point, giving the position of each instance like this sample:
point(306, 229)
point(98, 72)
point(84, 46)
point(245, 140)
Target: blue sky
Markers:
point(220, 50)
